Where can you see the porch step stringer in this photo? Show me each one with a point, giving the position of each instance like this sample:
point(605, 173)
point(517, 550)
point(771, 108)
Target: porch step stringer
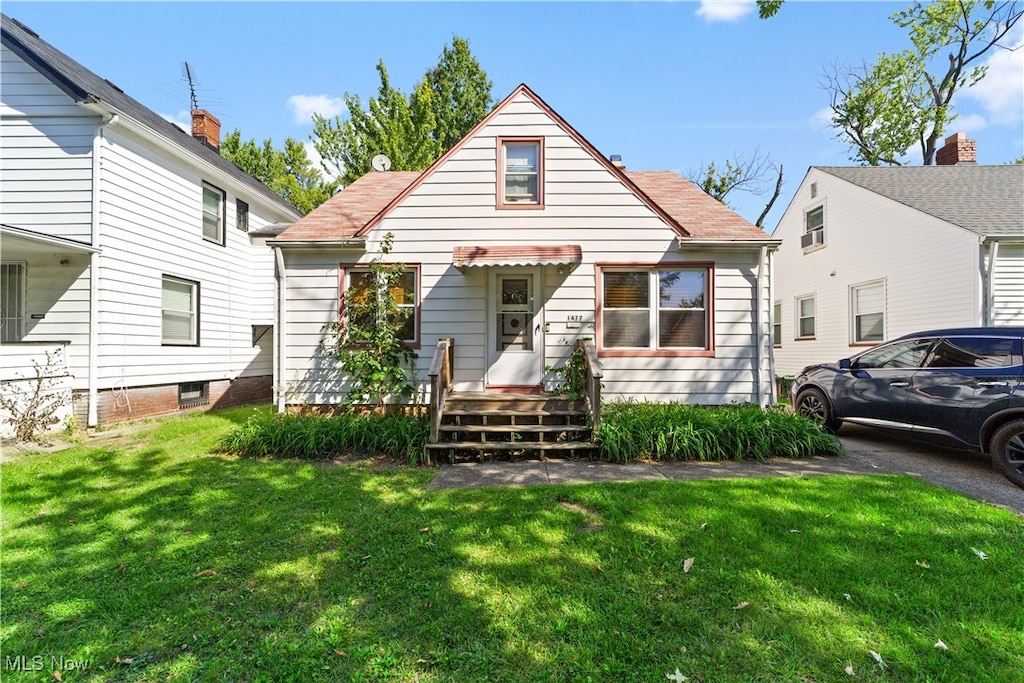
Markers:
point(478, 425)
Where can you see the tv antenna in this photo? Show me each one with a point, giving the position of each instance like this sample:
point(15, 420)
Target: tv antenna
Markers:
point(191, 84)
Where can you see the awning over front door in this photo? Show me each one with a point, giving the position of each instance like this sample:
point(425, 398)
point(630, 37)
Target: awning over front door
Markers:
point(518, 255)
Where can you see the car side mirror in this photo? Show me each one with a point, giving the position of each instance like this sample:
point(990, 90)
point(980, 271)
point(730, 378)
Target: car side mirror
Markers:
point(845, 364)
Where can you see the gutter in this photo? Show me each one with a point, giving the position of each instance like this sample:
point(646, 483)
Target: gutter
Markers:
point(357, 243)
point(768, 242)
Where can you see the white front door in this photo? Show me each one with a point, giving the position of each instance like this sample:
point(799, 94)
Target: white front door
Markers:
point(515, 341)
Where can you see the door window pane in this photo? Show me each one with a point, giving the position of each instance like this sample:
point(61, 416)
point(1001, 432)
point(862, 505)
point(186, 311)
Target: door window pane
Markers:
point(12, 298)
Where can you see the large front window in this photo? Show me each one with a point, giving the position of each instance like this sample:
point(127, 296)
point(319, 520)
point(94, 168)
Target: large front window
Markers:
point(359, 310)
point(657, 309)
point(180, 311)
point(522, 176)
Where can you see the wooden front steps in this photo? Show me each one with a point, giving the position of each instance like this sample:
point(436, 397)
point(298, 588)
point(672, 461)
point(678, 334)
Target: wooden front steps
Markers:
point(481, 424)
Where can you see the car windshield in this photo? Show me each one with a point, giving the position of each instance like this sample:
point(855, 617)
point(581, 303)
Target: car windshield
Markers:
point(902, 354)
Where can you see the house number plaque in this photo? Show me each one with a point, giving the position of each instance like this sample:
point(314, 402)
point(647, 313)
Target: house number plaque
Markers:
point(573, 322)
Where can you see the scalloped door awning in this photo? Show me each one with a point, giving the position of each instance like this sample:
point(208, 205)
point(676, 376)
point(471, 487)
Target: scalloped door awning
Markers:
point(516, 255)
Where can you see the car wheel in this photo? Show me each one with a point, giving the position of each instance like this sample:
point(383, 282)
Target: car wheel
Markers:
point(811, 403)
point(1007, 450)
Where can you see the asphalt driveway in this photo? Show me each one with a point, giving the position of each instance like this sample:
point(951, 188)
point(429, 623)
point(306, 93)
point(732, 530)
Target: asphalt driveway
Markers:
point(867, 452)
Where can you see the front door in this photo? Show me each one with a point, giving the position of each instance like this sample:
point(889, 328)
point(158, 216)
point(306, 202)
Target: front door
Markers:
point(514, 330)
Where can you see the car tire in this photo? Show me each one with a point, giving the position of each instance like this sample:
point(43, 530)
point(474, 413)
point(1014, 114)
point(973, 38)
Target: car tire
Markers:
point(812, 404)
point(1007, 449)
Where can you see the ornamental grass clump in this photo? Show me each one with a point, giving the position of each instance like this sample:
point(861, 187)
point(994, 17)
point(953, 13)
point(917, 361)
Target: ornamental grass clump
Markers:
point(674, 431)
point(321, 437)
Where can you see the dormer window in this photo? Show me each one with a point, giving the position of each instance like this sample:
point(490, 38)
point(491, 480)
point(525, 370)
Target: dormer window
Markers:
point(521, 173)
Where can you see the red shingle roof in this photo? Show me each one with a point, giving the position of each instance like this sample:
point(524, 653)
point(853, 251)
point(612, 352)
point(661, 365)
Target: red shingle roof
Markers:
point(701, 215)
point(346, 213)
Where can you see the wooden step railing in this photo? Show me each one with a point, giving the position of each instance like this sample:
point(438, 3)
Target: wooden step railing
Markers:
point(442, 371)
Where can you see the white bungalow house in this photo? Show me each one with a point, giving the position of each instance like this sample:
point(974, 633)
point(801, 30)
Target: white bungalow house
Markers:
point(519, 242)
point(131, 251)
point(873, 253)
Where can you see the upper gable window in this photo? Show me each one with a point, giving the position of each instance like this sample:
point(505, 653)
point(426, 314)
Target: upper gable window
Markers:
point(213, 214)
point(521, 174)
point(814, 228)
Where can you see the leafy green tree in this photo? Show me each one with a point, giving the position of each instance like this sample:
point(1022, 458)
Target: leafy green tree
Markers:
point(462, 93)
point(766, 9)
point(288, 172)
point(883, 109)
point(412, 131)
point(397, 126)
point(369, 343)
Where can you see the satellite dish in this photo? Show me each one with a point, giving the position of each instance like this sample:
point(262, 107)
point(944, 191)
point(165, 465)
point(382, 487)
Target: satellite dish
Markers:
point(380, 163)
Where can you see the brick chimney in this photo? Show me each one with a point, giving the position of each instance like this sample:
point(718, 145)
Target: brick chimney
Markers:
point(957, 151)
point(206, 128)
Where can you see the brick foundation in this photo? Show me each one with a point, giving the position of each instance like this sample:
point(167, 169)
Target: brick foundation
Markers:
point(135, 403)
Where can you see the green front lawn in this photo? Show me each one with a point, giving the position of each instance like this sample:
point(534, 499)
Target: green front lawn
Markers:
point(151, 559)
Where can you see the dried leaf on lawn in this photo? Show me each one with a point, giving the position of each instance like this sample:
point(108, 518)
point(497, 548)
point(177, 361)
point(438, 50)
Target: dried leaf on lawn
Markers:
point(687, 564)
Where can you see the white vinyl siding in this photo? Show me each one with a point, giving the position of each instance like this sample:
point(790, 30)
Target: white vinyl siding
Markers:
point(1008, 286)
point(867, 313)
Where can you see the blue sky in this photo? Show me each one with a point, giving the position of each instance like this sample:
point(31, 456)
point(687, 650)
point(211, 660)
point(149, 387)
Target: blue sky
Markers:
point(667, 85)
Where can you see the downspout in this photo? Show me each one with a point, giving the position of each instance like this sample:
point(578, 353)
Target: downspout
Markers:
point(758, 326)
point(988, 288)
point(94, 270)
point(279, 336)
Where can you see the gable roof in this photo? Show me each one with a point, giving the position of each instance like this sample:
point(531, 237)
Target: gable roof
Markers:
point(86, 88)
point(987, 200)
point(684, 207)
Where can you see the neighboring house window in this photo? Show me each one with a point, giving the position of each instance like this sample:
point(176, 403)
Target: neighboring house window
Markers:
point(193, 394)
point(661, 311)
point(359, 283)
point(521, 176)
point(242, 215)
point(180, 311)
point(213, 214)
point(867, 310)
point(805, 317)
point(777, 324)
point(814, 228)
point(12, 301)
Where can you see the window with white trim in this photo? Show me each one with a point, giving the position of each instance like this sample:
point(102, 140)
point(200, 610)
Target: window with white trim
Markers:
point(655, 309)
point(867, 313)
point(521, 172)
point(12, 301)
point(180, 311)
point(360, 285)
point(805, 317)
point(814, 228)
point(213, 214)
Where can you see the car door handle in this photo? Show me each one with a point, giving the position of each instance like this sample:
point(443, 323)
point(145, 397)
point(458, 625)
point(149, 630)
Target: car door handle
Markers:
point(899, 384)
point(993, 384)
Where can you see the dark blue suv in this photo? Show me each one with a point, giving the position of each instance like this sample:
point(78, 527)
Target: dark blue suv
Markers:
point(964, 384)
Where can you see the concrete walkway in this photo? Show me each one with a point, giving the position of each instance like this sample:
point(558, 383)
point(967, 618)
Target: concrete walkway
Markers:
point(867, 452)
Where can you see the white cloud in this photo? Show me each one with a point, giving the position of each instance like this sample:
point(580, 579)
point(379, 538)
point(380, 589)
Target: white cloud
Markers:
point(725, 10)
point(822, 119)
point(1001, 92)
point(304, 106)
point(968, 123)
point(183, 120)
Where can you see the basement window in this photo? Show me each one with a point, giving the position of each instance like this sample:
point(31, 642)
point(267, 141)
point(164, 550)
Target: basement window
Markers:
point(192, 394)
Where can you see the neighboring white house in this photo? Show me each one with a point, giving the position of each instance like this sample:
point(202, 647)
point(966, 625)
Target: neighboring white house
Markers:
point(523, 239)
point(128, 245)
point(873, 253)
